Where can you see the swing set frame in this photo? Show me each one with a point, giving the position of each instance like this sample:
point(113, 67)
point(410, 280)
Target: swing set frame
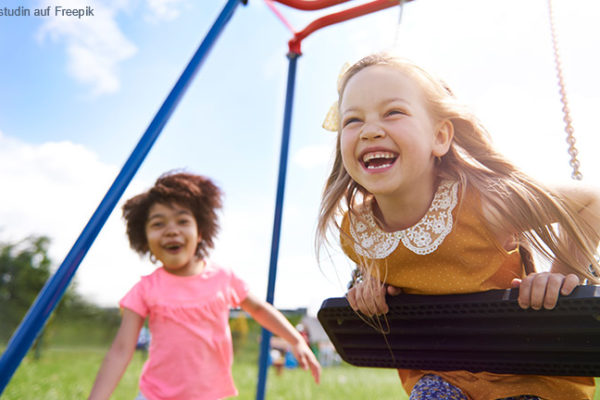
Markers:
point(48, 298)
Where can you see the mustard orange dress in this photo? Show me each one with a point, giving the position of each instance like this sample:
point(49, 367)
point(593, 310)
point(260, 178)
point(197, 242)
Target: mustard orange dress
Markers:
point(451, 250)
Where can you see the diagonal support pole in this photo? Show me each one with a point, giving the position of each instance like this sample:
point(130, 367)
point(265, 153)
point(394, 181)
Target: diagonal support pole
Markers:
point(283, 158)
point(55, 287)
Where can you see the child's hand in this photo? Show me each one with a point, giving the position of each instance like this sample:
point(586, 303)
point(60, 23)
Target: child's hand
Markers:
point(273, 320)
point(543, 288)
point(368, 297)
point(306, 359)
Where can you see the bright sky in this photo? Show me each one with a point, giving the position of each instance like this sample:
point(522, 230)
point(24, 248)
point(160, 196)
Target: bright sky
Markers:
point(77, 94)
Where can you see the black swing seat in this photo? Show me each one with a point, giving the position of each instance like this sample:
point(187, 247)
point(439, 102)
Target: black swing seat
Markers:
point(476, 332)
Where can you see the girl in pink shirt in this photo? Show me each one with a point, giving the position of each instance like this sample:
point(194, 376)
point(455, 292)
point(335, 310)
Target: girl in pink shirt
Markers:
point(187, 299)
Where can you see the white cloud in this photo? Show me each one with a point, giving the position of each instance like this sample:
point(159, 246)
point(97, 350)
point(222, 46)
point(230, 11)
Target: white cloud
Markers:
point(165, 10)
point(46, 182)
point(54, 188)
point(94, 45)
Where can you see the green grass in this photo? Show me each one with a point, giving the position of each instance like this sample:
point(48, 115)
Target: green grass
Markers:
point(341, 382)
point(64, 374)
point(68, 373)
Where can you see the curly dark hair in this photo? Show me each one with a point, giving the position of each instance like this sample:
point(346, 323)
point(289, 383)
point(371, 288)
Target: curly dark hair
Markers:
point(195, 192)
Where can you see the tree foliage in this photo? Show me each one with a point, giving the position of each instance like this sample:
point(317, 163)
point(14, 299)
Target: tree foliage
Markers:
point(24, 269)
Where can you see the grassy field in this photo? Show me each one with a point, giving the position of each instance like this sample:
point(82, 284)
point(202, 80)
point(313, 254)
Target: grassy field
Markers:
point(68, 373)
point(65, 374)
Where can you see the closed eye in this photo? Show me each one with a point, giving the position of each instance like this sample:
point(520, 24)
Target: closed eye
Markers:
point(349, 121)
point(395, 112)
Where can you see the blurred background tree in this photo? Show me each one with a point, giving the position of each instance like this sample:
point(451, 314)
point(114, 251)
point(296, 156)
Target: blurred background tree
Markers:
point(24, 269)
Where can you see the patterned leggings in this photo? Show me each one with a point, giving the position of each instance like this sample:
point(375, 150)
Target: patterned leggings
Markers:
point(432, 387)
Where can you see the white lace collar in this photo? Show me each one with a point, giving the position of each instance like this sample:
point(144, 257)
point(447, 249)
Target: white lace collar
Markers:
point(422, 238)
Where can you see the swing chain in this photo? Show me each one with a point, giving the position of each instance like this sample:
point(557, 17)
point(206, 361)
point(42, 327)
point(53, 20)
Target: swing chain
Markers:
point(397, 32)
point(574, 162)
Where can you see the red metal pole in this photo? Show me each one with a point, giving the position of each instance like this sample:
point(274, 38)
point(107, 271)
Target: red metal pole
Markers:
point(311, 5)
point(377, 5)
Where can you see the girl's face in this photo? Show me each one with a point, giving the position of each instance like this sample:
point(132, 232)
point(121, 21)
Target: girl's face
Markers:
point(172, 235)
point(388, 139)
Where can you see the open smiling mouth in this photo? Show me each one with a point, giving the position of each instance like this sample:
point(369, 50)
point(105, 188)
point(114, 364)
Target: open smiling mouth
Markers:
point(173, 247)
point(379, 160)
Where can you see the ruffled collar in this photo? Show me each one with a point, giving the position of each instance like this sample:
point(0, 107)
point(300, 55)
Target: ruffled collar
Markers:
point(422, 238)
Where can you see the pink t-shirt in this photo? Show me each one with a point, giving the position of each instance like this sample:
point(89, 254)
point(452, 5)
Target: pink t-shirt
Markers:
point(191, 351)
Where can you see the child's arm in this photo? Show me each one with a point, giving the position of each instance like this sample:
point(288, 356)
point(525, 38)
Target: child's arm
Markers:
point(270, 318)
point(543, 289)
point(118, 356)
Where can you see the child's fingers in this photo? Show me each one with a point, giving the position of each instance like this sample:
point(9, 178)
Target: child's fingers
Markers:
point(315, 369)
point(393, 290)
point(351, 297)
point(373, 301)
point(553, 288)
point(543, 289)
point(532, 290)
point(366, 305)
point(571, 281)
point(525, 292)
point(302, 362)
point(369, 300)
point(308, 361)
point(379, 303)
point(539, 284)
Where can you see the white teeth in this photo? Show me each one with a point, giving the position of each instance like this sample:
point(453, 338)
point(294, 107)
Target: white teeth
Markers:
point(378, 154)
point(378, 166)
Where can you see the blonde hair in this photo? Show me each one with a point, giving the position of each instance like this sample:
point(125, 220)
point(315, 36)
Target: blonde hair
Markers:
point(528, 208)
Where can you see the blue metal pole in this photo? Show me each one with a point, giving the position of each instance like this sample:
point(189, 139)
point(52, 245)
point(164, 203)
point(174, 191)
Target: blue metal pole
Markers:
point(55, 287)
point(283, 157)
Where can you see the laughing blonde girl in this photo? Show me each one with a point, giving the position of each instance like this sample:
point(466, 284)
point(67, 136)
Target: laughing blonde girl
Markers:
point(424, 204)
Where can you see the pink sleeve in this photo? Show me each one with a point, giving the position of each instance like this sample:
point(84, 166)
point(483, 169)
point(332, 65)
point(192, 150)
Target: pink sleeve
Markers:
point(134, 300)
point(238, 290)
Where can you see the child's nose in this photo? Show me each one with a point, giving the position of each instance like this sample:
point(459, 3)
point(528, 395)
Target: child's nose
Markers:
point(371, 131)
point(171, 229)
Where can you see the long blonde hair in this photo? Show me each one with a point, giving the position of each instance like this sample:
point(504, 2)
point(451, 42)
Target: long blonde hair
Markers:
point(528, 208)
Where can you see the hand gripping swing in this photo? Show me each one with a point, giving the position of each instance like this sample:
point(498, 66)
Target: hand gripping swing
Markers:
point(485, 331)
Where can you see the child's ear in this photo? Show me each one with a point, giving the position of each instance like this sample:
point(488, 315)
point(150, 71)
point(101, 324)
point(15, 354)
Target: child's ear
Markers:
point(443, 138)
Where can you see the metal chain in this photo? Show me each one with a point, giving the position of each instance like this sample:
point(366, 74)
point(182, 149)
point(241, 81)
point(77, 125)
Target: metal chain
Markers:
point(397, 33)
point(574, 162)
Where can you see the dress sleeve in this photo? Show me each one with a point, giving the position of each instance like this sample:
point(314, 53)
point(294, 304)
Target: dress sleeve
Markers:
point(238, 290)
point(135, 301)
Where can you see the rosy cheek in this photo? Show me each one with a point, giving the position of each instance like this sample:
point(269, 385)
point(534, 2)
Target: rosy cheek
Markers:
point(152, 236)
point(346, 142)
point(347, 150)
